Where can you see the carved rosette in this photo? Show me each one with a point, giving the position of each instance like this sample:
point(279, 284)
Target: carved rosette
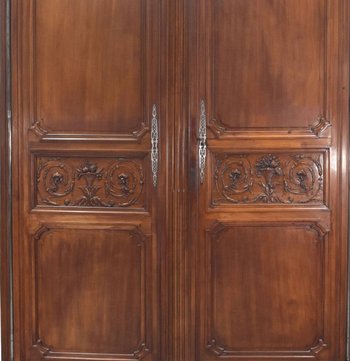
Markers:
point(124, 181)
point(303, 180)
point(101, 182)
point(56, 179)
point(268, 179)
point(234, 178)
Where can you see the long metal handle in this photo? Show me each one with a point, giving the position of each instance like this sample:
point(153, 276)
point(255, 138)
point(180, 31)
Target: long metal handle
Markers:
point(202, 146)
point(154, 145)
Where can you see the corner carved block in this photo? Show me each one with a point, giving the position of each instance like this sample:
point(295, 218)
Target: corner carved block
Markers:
point(92, 182)
point(320, 126)
point(278, 178)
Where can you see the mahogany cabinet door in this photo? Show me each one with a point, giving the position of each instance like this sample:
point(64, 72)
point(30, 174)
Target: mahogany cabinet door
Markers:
point(89, 159)
point(268, 90)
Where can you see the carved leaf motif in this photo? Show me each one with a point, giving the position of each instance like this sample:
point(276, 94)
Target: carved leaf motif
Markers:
point(95, 182)
point(234, 177)
point(124, 180)
point(273, 179)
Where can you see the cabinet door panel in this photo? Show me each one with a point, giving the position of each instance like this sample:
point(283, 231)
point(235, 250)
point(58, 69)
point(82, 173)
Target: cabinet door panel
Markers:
point(257, 81)
point(89, 227)
point(268, 82)
point(266, 66)
point(258, 276)
point(94, 67)
point(101, 301)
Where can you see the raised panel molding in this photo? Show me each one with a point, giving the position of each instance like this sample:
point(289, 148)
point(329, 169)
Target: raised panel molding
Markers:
point(218, 227)
point(318, 129)
point(214, 346)
point(226, 88)
point(40, 351)
point(221, 351)
point(273, 178)
point(48, 114)
point(45, 134)
point(117, 182)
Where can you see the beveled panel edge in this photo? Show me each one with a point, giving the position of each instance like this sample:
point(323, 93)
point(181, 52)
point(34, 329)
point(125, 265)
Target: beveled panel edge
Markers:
point(219, 350)
point(219, 225)
point(40, 352)
point(47, 135)
point(318, 129)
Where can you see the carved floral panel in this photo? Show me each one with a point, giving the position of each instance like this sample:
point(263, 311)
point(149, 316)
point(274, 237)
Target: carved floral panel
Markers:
point(273, 178)
point(90, 182)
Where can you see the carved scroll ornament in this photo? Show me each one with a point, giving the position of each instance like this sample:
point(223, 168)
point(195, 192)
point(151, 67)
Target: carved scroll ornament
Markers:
point(101, 182)
point(268, 179)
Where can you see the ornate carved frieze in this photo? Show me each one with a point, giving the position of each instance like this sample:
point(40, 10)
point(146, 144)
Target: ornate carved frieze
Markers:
point(278, 178)
point(94, 182)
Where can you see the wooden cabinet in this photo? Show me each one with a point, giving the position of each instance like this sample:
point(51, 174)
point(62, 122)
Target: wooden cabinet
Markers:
point(179, 179)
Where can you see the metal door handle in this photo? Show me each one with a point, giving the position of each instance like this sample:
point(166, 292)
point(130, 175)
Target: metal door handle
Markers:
point(202, 145)
point(154, 145)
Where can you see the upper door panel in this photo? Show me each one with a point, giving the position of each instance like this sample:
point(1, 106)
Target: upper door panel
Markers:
point(95, 72)
point(265, 66)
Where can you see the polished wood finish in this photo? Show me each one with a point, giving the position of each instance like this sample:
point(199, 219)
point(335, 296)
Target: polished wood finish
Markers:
point(84, 99)
point(292, 178)
point(250, 264)
point(5, 206)
point(275, 54)
point(268, 233)
point(115, 182)
point(255, 303)
point(90, 237)
point(106, 273)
